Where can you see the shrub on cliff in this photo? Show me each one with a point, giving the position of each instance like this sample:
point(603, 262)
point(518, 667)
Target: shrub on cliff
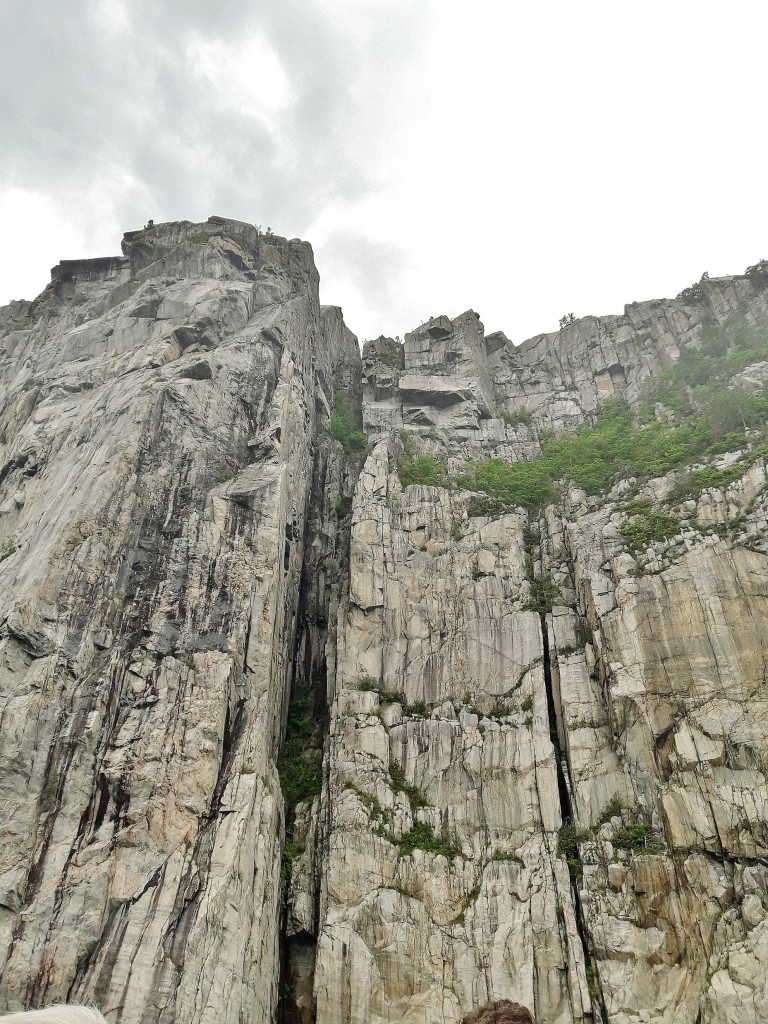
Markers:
point(343, 424)
point(419, 469)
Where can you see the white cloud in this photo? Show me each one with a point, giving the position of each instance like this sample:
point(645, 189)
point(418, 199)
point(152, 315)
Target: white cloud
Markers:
point(39, 232)
point(111, 16)
point(248, 78)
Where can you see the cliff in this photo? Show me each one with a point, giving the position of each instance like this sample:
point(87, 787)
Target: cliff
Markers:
point(368, 691)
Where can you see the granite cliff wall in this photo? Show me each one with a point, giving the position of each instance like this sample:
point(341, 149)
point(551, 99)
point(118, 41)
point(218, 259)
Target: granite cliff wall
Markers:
point(519, 745)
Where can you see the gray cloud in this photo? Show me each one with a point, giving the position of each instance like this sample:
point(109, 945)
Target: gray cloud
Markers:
point(374, 269)
point(491, 143)
point(78, 101)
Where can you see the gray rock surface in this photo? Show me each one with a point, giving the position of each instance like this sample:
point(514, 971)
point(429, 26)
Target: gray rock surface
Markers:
point(159, 427)
point(199, 557)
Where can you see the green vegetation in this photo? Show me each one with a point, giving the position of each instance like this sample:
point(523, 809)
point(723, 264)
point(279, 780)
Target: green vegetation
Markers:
point(640, 837)
point(419, 469)
point(544, 593)
point(422, 837)
point(691, 484)
point(706, 417)
point(422, 470)
point(8, 548)
point(367, 682)
point(509, 485)
point(503, 855)
point(346, 424)
point(416, 710)
point(469, 900)
point(482, 505)
point(370, 802)
point(391, 353)
point(300, 771)
point(724, 350)
point(291, 851)
point(343, 506)
point(568, 839)
point(642, 530)
point(399, 784)
point(583, 633)
point(611, 810)
point(516, 418)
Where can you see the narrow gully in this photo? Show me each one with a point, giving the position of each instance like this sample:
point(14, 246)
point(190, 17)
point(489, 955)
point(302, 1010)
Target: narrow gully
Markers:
point(566, 808)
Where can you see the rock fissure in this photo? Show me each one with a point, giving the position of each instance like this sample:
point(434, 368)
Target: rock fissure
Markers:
point(567, 815)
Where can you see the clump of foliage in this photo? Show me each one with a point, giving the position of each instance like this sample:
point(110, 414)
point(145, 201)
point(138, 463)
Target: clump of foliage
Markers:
point(509, 485)
point(544, 593)
point(611, 810)
point(422, 837)
point(706, 416)
point(7, 549)
point(517, 418)
point(583, 633)
point(291, 852)
point(399, 784)
point(482, 505)
point(390, 353)
point(641, 531)
point(343, 506)
point(568, 839)
point(367, 682)
point(345, 424)
point(503, 855)
point(640, 837)
point(300, 775)
point(416, 710)
point(419, 469)
point(691, 484)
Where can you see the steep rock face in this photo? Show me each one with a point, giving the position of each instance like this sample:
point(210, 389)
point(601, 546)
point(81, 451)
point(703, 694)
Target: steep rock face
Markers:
point(158, 435)
point(468, 723)
point(518, 748)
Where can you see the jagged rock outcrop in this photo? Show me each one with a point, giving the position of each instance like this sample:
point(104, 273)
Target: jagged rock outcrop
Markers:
point(520, 745)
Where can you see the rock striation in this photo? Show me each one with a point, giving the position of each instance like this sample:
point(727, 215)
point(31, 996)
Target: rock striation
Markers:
point(298, 725)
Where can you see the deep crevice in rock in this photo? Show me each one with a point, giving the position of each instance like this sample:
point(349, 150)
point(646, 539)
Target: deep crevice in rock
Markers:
point(566, 813)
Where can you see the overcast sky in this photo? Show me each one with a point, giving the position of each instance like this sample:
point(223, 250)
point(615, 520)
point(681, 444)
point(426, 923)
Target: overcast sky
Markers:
point(524, 159)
